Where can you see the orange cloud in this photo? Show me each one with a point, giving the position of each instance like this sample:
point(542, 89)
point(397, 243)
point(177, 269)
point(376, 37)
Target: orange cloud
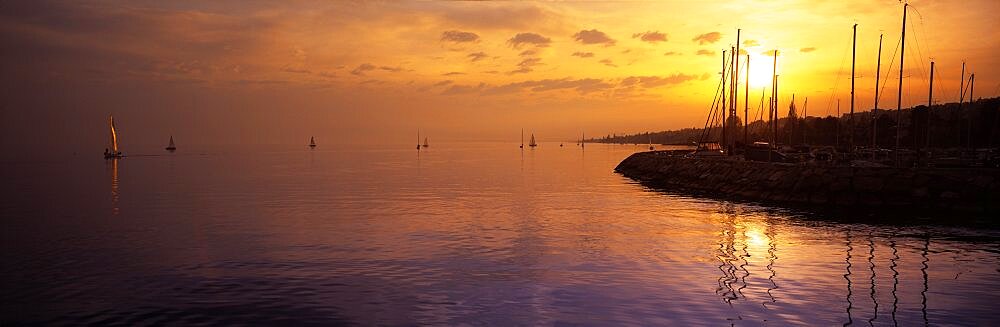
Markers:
point(594, 37)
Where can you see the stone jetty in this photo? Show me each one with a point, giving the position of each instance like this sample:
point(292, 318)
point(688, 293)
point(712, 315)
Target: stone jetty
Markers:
point(949, 189)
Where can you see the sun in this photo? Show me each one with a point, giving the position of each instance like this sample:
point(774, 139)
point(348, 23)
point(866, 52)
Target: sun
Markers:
point(760, 70)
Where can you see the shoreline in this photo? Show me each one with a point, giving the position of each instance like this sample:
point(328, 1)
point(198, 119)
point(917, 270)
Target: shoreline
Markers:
point(967, 190)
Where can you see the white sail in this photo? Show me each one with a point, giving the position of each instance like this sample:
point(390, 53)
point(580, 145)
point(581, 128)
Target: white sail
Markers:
point(114, 136)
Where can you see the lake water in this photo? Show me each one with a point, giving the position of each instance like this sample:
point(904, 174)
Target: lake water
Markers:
point(459, 234)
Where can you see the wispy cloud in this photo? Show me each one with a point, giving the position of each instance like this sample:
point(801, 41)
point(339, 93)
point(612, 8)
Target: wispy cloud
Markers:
point(704, 52)
point(657, 81)
point(477, 56)
point(522, 39)
point(808, 49)
point(362, 69)
point(607, 62)
point(459, 36)
point(671, 53)
point(708, 38)
point(583, 54)
point(525, 66)
point(751, 43)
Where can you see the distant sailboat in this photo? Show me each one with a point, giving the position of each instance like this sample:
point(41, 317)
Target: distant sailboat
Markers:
point(112, 151)
point(312, 142)
point(171, 147)
point(418, 140)
point(532, 142)
point(425, 142)
point(651, 143)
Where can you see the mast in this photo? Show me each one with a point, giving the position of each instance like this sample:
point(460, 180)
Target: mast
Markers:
point(961, 86)
point(723, 102)
point(776, 116)
point(746, 102)
point(899, 95)
point(854, 45)
point(878, 71)
point(736, 82)
point(774, 99)
point(930, 101)
point(732, 97)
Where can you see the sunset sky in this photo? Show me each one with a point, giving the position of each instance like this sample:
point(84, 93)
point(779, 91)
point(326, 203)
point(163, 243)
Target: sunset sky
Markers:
point(248, 72)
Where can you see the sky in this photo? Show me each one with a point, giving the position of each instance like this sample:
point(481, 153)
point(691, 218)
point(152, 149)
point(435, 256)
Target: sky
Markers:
point(263, 72)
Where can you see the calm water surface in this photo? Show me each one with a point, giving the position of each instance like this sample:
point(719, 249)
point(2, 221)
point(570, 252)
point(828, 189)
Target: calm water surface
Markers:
point(461, 233)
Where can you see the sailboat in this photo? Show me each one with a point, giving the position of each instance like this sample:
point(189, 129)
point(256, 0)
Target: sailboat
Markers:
point(532, 142)
point(171, 147)
point(418, 140)
point(312, 142)
point(425, 142)
point(112, 151)
point(651, 143)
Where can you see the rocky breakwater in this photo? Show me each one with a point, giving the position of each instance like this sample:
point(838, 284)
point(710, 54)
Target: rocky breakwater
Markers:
point(966, 190)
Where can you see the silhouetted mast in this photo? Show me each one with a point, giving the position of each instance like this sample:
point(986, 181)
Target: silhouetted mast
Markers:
point(854, 45)
point(774, 100)
point(736, 82)
point(746, 103)
point(732, 98)
point(723, 102)
point(878, 72)
point(899, 95)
